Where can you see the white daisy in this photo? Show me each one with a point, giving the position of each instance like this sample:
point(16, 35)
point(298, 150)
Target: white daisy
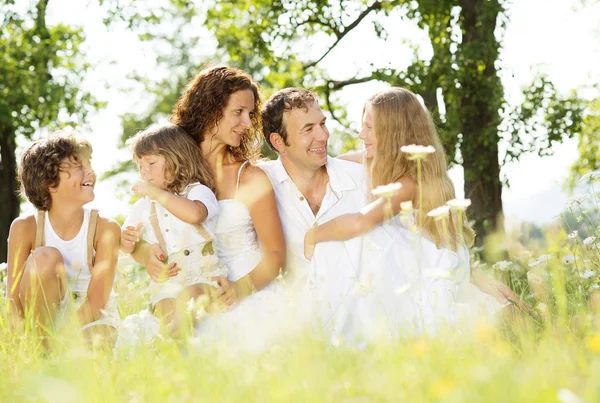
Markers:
point(386, 190)
point(459, 204)
point(439, 212)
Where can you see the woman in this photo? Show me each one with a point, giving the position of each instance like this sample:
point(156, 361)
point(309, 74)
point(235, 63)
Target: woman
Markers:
point(219, 110)
point(419, 277)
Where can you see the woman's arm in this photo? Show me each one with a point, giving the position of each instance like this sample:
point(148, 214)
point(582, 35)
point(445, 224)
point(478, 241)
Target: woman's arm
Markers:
point(108, 236)
point(189, 211)
point(349, 226)
point(258, 195)
point(20, 244)
point(353, 156)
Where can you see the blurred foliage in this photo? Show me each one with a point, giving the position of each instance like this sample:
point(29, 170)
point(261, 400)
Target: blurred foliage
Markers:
point(459, 83)
point(41, 71)
point(589, 146)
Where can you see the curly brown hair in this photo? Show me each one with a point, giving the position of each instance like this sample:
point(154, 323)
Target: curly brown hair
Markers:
point(184, 163)
point(201, 106)
point(40, 165)
point(282, 101)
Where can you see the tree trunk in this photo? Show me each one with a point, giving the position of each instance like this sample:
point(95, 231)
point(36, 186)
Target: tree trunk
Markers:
point(9, 200)
point(481, 96)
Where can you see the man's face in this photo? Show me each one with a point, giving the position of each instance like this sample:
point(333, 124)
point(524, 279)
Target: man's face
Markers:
point(307, 137)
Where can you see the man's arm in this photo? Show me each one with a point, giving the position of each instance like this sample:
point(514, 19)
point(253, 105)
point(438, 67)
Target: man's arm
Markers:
point(353, 156)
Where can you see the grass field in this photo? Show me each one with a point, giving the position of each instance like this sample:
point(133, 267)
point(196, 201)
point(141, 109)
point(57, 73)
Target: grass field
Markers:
point(549, 356)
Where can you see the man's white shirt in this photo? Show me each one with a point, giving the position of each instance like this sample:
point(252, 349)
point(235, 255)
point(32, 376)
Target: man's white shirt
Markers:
point(332, 274)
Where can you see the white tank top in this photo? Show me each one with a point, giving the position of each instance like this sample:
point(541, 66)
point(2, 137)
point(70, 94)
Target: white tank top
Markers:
point(74, 253)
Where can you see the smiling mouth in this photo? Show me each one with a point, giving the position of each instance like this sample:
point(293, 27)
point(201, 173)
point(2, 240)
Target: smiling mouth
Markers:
point(88, 184)
point(316, 150)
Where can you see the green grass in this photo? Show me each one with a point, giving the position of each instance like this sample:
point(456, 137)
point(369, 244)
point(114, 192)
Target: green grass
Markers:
point(551, 356)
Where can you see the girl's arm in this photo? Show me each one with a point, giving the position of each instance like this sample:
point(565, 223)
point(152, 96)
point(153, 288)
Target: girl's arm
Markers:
point(108, 235)
point(259, 196)
point(349, 226)
point(20, 244)
point(353, 156)
point(189, 211)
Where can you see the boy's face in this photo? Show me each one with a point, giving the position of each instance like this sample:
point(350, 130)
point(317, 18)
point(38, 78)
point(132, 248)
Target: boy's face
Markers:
point(307, 136)
point(152, 169)
point(77, 181)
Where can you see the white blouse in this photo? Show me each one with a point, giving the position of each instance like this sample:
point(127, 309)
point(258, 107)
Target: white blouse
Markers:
point(177, 234)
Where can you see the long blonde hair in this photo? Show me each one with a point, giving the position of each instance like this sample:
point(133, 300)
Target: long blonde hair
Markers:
point(399, 119)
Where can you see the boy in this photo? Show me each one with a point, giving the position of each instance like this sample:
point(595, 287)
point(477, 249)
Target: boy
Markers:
point(65, 256)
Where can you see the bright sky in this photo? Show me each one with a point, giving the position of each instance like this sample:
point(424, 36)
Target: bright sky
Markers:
point(559, 37)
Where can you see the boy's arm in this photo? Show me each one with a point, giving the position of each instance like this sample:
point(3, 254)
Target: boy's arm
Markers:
point(107, 240)
point(20, 244)
point(349, 226)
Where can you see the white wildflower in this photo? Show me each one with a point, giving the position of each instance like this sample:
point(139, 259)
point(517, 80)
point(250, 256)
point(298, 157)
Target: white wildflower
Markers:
point(503, 265)
point(569, 259)
point(589, 240)
point(541, 259)
point(417, 152)
point(3, 266)
point(587, 274)
point(595, 286)
point(386, 190)
point(578, 199)
point(590, 177)
point(402, 289)
point(406, 206)
point(439, 212)
point(543, 308)
point(572, 235)
point(567, 396)
point(459, 204)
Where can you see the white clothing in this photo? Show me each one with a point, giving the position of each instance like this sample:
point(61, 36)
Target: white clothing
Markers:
point(261, 317)
point(178, 234)
point(333, 272)
point(236, 240)
point(75, 257)
point(74, 252)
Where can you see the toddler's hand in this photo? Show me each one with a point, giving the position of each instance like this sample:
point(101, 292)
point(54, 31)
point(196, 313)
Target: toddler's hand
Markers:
point(130, 235)
point(145, 188)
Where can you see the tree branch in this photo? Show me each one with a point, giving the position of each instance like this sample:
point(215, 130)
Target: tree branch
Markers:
point(345, 31)
point(336, 85)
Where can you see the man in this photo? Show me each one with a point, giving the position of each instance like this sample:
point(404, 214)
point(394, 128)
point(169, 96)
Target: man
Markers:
point(312, 188)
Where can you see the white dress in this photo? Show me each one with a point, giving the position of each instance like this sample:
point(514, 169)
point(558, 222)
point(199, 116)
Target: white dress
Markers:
point(408, 286)
point(260, 318)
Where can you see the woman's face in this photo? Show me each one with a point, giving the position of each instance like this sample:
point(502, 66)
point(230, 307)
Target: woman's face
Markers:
point(237, 118)
point(366, 133)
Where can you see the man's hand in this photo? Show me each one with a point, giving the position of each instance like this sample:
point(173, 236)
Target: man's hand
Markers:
point(498, 290)
point(309, 244)
point(155, 266)
point(130, 235)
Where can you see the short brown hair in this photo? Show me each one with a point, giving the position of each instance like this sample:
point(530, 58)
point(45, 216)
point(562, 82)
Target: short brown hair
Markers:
point(282, 101)
point(40, 165)
point(204, 99)
point(184, 163)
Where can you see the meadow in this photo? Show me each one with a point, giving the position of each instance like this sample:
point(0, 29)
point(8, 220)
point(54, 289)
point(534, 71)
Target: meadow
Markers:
point(549, 355)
